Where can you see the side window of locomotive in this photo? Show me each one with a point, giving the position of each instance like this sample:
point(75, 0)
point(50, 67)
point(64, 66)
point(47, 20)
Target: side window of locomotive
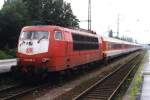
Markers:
point(58, 36)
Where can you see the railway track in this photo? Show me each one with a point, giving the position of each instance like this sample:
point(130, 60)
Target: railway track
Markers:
point(106, 88)
point(18, 90)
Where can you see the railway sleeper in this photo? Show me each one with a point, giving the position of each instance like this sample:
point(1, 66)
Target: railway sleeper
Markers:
point(93, 98)
point(108, 87)
point(99, 95)
point(102, 91)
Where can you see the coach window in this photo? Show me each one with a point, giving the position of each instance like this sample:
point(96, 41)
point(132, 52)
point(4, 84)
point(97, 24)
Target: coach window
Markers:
point(58, 35)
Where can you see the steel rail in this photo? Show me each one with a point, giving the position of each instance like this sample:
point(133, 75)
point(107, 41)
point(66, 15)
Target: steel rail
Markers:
point(19, 90)
point(102, 85)
point(134, 65)
point(9, 87)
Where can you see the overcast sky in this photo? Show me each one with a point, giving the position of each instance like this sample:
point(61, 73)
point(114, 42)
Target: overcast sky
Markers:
point(134, 16)
point(1, 3)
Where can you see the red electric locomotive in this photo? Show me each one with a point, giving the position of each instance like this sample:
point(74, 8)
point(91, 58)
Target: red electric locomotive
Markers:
point(54, 48)
point(44, 49)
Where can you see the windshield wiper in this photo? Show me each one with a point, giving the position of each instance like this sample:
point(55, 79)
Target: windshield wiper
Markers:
point(43, 37)
point(22, 43)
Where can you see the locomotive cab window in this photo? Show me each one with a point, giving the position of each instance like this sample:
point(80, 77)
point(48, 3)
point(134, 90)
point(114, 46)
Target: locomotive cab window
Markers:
point(36, 35)
point(40, 35)
point(58, 35)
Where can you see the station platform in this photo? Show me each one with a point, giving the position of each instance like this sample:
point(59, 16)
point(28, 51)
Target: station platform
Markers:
point(5, 65)
point(145, 90)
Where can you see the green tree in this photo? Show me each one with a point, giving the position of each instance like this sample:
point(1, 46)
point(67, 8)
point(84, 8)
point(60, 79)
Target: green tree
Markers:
point(12, 19)
point(8, 29)
point(33, 8)
point(18, 13)
point(55, 12)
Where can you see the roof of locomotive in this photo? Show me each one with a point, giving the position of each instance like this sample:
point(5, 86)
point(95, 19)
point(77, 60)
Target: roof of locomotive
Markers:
point(38, 27)
point(52, 27)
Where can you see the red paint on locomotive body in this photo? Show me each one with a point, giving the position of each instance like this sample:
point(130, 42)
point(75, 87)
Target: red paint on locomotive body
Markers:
point(55, 48)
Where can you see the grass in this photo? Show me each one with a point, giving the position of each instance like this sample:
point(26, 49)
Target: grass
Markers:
point(7, 53)
point(136, 88)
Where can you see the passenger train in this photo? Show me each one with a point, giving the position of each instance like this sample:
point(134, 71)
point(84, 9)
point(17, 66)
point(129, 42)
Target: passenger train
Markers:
point(53, 48)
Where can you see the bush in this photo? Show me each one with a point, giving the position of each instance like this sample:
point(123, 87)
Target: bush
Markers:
point(3, 55)
point(7, 54)
point(11, 52)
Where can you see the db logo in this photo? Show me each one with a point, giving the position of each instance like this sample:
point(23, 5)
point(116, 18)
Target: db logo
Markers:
point(29, 50)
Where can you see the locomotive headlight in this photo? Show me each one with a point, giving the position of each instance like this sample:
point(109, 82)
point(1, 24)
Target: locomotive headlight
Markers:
point(44, 60)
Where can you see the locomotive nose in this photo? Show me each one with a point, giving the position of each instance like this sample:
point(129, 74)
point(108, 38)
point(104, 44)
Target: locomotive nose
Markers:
point(34, 60)
point(34, 64)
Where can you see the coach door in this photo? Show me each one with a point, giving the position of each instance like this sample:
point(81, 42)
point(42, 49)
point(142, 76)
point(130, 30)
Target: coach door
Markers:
point(68, 48)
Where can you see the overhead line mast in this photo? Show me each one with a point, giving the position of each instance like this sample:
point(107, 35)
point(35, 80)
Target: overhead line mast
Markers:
point(89, 15)
point(118, 25)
